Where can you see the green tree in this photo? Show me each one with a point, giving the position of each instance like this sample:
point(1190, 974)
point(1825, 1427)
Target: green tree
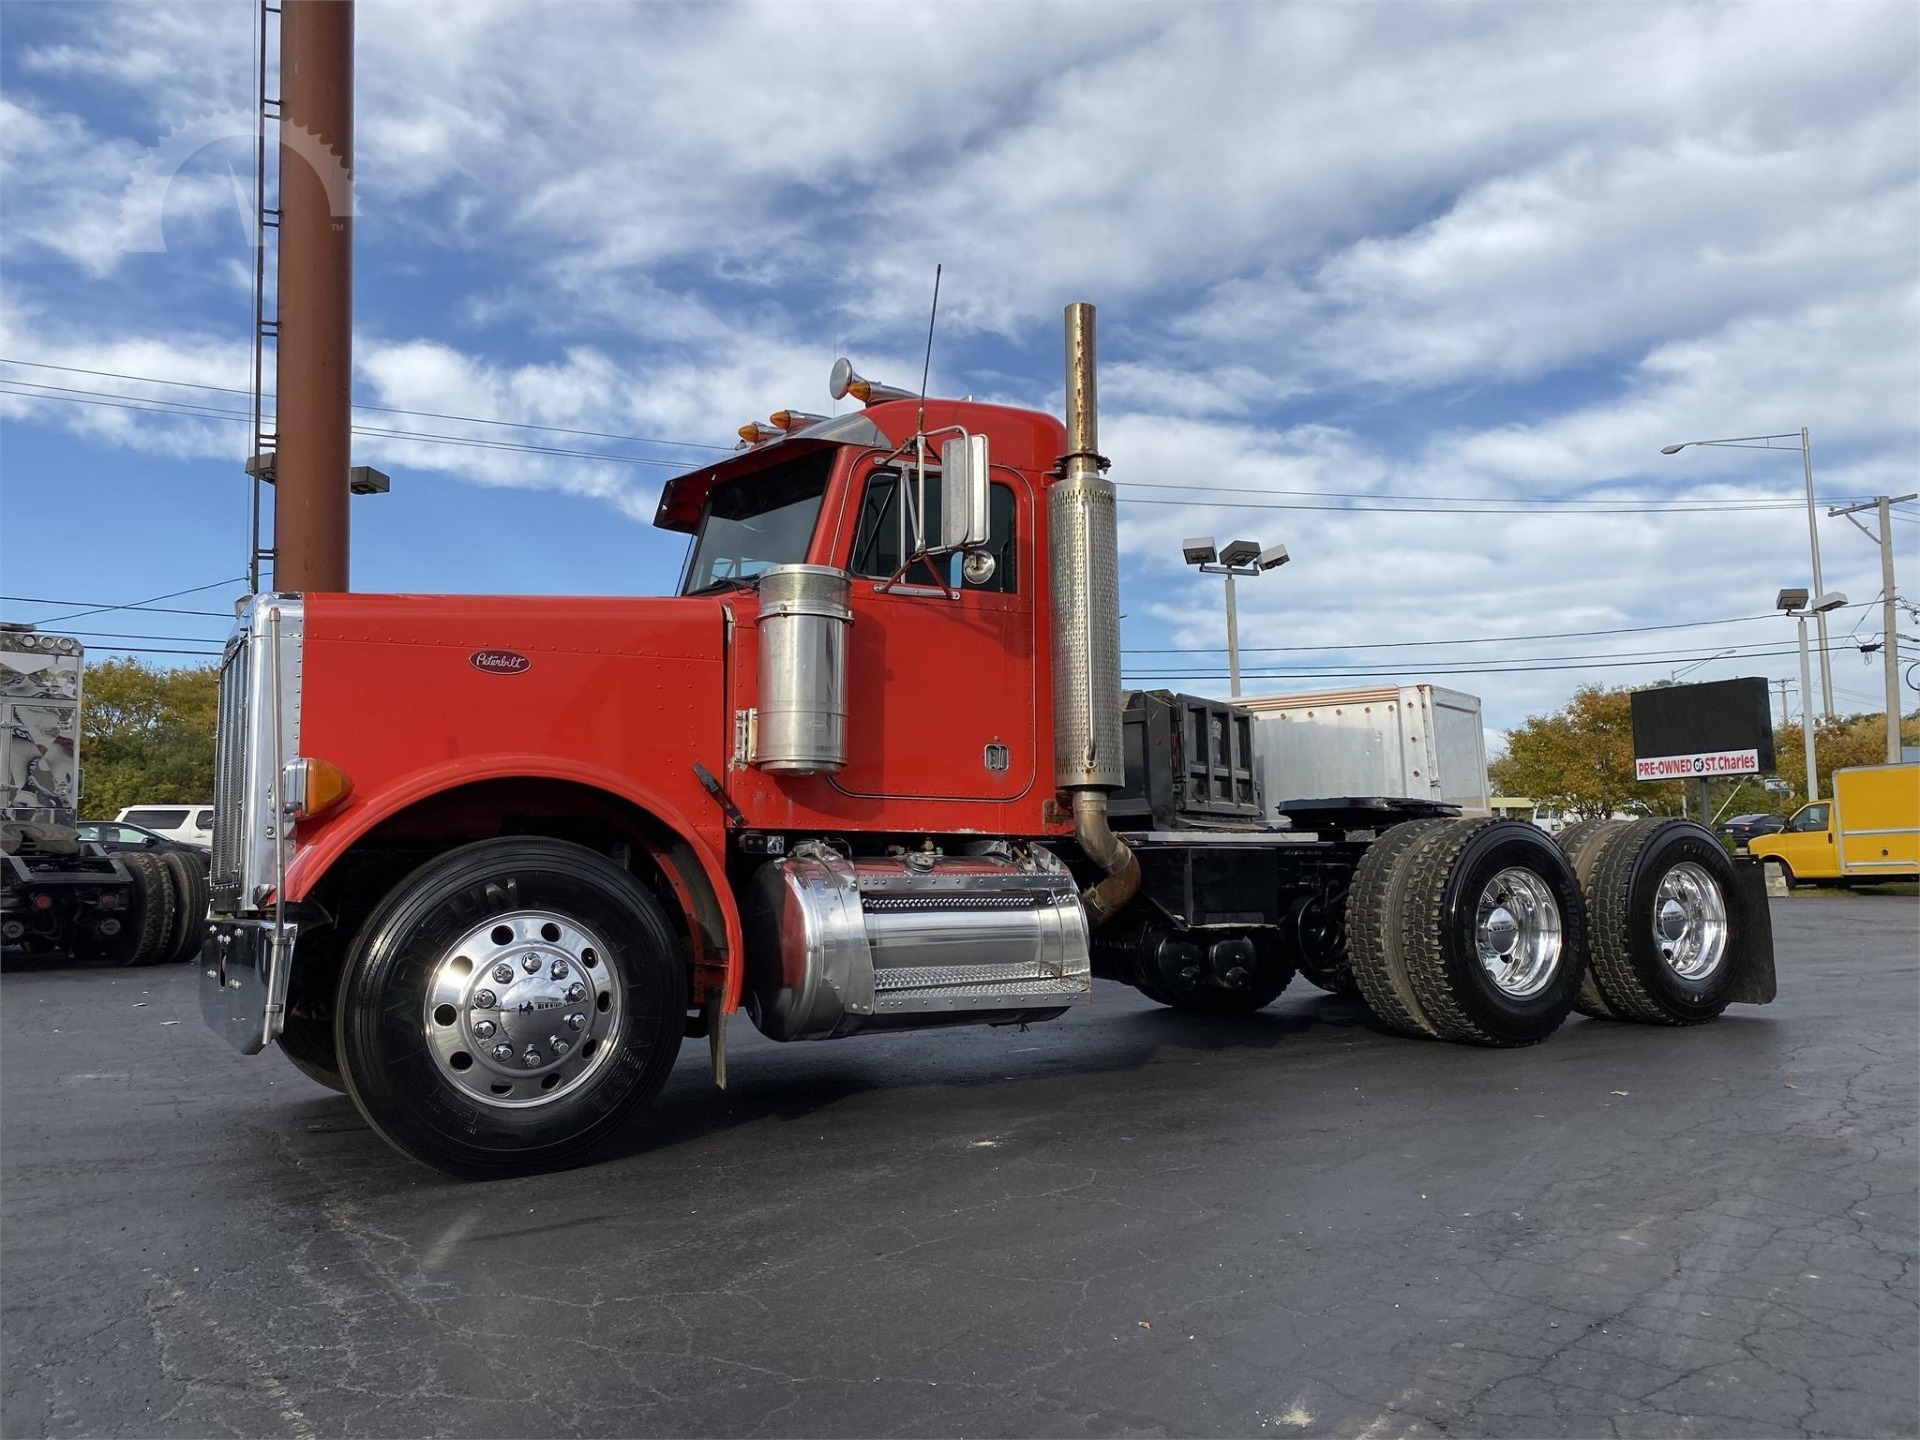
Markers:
point(146, 735)
point(1580, 759)
point(1837, 743)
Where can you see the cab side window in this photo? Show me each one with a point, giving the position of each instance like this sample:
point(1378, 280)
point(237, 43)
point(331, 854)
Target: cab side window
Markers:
point(884, 535)
point(1814, 817)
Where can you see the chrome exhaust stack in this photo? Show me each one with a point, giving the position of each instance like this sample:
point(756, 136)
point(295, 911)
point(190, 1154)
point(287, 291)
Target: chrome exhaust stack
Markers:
point(1084, 547)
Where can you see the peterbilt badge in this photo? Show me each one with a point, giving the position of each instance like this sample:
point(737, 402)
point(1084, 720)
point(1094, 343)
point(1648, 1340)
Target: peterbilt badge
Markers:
point(500, 662)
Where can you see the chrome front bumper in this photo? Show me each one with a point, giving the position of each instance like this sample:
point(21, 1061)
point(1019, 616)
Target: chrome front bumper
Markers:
point(244, 966)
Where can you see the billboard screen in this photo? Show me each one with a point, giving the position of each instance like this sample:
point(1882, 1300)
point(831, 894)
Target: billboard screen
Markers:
point(1693, 732)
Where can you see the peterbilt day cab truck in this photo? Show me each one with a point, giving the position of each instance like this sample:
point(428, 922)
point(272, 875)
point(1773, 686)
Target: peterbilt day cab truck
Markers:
point(61, 895)
point(483, 863)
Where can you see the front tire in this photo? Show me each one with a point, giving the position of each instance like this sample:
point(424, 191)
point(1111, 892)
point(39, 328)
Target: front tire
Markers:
point(509, 1008)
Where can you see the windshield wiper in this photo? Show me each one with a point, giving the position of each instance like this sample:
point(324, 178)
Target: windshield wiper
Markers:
point(724, 582)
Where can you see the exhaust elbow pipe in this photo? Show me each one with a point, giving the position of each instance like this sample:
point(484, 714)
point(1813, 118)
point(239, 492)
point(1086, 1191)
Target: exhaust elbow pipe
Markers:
point(1084, 545)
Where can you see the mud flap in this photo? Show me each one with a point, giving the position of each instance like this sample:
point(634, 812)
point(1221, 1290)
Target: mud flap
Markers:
point(1756, 984)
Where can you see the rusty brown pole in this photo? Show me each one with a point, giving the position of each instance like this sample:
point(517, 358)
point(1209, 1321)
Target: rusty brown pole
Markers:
point(314, 385)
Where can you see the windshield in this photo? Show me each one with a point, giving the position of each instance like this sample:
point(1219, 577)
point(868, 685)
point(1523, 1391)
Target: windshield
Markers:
point(758, 521)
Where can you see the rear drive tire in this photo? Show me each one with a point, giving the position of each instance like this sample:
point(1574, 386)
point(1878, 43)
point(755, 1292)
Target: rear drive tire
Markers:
point(155, 907)
point(468, 1060)
point(190, 905)
point(1493, 929)
point(1582, 843)
point(1669, 923)
point(1374, 949)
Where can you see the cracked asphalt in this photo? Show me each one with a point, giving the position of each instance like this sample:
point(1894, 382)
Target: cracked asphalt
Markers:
point(1127, 1222)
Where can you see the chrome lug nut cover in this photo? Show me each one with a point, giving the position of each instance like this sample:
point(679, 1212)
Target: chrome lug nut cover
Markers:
point(1518, 932)
point(1690, 926)
point(540, 1019)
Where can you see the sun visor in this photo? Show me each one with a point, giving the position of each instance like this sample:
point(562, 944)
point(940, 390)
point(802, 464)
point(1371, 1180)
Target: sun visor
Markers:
point(684, 496)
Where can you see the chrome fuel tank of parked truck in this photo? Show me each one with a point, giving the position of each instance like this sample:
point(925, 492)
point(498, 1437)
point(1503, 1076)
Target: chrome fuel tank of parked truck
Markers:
point(838, 945)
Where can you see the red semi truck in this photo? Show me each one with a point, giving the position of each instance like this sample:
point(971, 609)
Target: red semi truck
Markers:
point(483, 863)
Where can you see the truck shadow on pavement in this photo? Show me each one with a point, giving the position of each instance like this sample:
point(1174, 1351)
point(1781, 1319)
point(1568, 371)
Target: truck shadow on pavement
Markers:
point(769, 1082)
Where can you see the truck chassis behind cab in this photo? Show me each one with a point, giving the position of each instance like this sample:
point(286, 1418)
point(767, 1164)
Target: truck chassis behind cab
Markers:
point(482, 863)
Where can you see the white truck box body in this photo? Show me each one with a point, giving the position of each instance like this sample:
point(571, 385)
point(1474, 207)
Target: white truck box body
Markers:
point(1419, 742)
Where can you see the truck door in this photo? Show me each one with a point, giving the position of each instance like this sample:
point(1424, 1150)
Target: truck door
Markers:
point(942, 684)
point(1807, 842)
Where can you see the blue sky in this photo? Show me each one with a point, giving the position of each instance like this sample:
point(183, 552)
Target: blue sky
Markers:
point(1418, 291)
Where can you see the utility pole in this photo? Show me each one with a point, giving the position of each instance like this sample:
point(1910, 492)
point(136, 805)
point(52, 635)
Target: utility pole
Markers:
point(1889, 611)
point(314, 351)
point(1784, 686)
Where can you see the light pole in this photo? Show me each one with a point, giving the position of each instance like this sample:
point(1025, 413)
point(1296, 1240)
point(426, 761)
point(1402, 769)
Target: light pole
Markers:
point(1889, 614)
point(1797, 604)
point(1760, 442)
point(1236, 557)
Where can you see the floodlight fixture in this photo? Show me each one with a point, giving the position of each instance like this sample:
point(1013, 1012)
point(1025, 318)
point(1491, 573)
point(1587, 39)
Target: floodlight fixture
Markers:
point(1791, 601)
point(1199, 550)
point(1832, 600)
point(1273, 557)
point(365, 480)
point(1239, 552)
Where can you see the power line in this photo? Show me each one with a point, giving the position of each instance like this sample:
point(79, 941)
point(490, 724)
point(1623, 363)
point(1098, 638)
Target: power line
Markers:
point(1731, 503)
point(136, 604)
point(203, 412)
point(385, 409)
point(99, 606)
point(1479, 640)
point(1678, 507)
point(1464, 670)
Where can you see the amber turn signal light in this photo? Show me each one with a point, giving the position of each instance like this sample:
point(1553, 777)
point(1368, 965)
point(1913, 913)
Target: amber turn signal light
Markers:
point(314, 787)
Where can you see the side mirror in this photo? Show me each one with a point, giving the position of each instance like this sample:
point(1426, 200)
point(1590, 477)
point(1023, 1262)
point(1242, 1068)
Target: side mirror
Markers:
point(963, 493)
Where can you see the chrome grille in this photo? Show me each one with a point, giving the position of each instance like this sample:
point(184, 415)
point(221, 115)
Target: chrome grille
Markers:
point(230, 777)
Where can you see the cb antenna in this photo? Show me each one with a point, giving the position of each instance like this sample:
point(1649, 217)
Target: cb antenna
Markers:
point(927, 366)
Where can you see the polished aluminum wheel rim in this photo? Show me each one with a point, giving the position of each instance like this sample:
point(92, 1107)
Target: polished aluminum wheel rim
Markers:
point(1517, 929)
point(522, 1009)
point(1690, 921)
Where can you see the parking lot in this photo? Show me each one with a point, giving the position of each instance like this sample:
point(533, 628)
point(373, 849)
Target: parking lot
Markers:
point(1128, 1222)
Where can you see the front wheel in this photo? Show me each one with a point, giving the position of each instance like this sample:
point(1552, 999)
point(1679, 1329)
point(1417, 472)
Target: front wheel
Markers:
point(510, 1008)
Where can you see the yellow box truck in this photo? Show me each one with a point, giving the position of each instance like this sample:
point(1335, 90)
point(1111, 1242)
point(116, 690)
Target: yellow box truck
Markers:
point(1869, 830)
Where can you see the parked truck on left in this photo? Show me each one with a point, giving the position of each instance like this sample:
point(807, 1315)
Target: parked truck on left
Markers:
point(62, 895)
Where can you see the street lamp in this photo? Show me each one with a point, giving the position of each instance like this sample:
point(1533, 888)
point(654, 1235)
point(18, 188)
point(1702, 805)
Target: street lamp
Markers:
point(1236, 557)
point(1759, 442)
point(1798, 604)
point(1673, 676)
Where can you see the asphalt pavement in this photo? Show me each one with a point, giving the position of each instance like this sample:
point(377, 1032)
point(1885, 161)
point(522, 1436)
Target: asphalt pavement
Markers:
point(1125, 1222)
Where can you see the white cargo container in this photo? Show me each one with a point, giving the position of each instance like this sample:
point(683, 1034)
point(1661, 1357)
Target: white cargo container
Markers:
point(1421, 742)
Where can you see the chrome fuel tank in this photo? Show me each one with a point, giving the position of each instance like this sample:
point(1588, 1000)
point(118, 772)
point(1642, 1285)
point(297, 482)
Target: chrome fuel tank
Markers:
point(835, 946)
